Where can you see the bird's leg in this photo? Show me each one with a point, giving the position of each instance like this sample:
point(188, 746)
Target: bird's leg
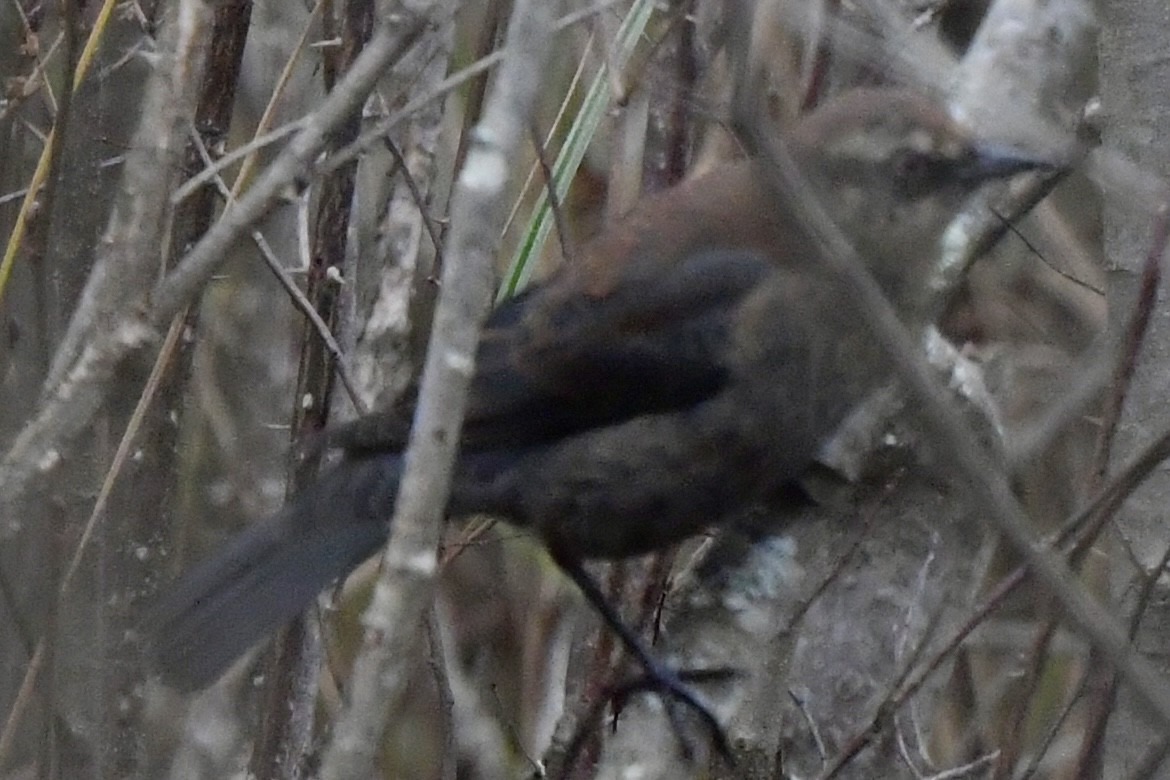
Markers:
point(659, 678)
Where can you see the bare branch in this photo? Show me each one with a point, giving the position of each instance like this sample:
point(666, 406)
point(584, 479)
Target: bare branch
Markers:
point(408, 567)
point(71, 402)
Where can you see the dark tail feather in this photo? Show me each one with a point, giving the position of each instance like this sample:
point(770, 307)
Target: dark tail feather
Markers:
point(271, 572)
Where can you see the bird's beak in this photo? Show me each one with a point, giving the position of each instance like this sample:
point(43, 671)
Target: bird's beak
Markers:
point(999, 161)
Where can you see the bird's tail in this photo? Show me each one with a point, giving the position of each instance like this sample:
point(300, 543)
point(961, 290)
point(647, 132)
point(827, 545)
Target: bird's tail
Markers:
point(271, 571)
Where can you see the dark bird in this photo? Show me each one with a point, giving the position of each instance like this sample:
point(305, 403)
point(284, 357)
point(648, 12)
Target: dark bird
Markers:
point(686, 365)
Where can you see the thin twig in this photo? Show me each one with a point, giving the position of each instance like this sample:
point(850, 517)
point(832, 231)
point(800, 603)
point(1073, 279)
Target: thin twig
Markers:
point(416, 194)
point(1131, 342)
point(554, 202)
point(295, 294)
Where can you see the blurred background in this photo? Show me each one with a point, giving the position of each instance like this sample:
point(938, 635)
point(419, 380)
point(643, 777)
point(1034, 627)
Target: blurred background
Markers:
point(892, 649)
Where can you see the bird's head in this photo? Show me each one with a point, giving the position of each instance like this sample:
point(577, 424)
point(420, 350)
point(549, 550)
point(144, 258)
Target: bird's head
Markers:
point(894, 169)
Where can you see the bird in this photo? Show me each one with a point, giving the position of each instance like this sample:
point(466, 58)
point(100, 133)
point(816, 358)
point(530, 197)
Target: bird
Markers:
point(685, 365)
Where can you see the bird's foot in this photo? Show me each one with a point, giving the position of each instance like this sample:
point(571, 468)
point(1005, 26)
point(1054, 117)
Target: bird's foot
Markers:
point(673, 686)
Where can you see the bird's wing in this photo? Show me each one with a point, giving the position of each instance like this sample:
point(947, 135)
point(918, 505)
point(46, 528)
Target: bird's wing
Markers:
point(558, 360)
point(657, 340)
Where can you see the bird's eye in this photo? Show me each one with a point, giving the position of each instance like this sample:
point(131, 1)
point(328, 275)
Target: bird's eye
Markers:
point(917, 173)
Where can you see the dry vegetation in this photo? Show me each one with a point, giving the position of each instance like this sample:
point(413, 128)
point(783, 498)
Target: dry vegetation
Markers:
point(167, 363)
